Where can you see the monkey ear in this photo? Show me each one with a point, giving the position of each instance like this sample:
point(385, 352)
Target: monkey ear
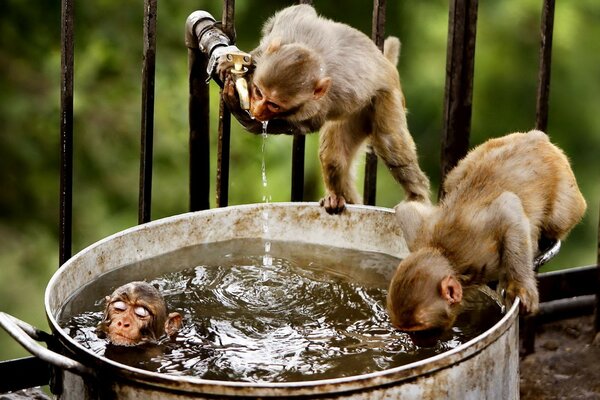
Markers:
point(173, 323)
point(321, 87)
point(451, 290)
point(274, 45)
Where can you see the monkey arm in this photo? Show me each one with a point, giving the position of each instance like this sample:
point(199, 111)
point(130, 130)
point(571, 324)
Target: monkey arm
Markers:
point(516, 259)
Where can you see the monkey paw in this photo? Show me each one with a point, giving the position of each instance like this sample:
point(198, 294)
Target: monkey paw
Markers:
point(529, 297)
point(223, 67)
point(333, 204)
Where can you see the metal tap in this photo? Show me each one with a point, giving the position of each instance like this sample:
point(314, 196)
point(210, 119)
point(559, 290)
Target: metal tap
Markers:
point(240, 61)
point(203, 32)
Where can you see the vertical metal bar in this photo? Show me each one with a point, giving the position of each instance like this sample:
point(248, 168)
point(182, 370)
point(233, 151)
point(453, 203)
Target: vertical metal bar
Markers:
point(529, 323)
point(298, 157)
point(377, 34)
point(147, 129)
point(199, 138)
point(66, 132)
point(458, 97)
point(597, 316)
point(224, 133)
point(543, 91)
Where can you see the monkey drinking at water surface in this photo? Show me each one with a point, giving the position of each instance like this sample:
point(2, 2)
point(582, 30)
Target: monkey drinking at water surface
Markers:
point(312, 73)
point(136, 313)
point(500, 200)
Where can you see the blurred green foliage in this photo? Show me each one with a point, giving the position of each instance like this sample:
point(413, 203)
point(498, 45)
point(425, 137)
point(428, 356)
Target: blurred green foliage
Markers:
point(107, 102)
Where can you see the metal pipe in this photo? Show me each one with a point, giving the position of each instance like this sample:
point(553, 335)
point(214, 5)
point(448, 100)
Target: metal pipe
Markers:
point(377, 34)
point(298, 156)
point(65, 224)
point(199, 125)
point(224, 130)
point(543, 91)
point(597, 317)
point(147, 129)
point(458, 97)
point(201, 40)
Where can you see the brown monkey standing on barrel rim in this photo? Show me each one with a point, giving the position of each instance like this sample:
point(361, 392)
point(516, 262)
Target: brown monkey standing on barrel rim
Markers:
point(313, 73)
point(500, 200)
point(136, 313)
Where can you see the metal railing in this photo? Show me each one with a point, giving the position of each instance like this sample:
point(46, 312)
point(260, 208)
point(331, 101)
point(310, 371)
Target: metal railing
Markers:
point(557, 289)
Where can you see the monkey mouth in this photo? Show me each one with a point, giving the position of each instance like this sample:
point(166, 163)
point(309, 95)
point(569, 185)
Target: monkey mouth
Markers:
point(119, 339)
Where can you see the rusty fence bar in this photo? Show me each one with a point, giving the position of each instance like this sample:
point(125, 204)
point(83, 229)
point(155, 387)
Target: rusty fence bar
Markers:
point(529, 323)
point(377, 34)
point(224, 132)
point(65, 224)
point(597, 317)
point(298, 157)
point(147, 129)
point(543, 91)
point(199, 139)
point(458, 97)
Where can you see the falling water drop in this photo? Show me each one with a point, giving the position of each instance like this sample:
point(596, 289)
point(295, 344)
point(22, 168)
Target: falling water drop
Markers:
point(267, 259)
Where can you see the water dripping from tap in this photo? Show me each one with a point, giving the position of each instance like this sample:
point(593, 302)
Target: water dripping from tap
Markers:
point(267, 258)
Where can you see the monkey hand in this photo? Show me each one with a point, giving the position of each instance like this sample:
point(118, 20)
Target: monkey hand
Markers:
point(333, 203)
point(223, 67)
point(528, 295)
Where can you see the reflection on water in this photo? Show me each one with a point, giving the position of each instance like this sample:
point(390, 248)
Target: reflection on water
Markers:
point(314, 312)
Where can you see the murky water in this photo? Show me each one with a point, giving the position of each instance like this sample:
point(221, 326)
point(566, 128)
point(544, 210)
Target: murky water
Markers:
point(313, 312)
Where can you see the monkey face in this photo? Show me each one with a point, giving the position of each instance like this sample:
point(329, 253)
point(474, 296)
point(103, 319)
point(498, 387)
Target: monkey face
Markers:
point(136, 313)
point(265, 104)
point(129, 324)
point(422, 295)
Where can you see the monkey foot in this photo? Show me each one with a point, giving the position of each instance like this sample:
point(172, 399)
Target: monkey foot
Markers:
point(333, 204)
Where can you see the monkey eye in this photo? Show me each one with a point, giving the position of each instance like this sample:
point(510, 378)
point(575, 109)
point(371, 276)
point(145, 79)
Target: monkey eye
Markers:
point(273, 107)
point(119, 305)
point(257, 92)
point(141, 311)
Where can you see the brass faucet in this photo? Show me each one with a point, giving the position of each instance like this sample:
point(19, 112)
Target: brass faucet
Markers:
point(203, 33)
point(240, 61)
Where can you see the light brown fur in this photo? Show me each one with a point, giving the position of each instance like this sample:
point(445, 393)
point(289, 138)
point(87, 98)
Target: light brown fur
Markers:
point(319, 74)
point(500, 199)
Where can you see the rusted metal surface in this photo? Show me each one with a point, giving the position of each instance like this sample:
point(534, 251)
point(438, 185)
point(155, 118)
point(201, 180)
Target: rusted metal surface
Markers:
point(377, 35)
point(147, 131)
point(597, 316)
point(543, 91)
point(224, 129)
point(485, 367)
point(23, 373)
point(298, 157)
point(65, 224)
point(199, 122)
point(458, 97)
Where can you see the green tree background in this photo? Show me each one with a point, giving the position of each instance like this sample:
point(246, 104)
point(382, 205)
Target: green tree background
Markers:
point(107, 103)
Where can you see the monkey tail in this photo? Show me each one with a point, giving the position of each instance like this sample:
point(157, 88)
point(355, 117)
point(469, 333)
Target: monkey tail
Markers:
point(391, 49)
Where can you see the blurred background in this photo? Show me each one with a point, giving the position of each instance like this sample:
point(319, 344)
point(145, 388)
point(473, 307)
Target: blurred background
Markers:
point(107, 103)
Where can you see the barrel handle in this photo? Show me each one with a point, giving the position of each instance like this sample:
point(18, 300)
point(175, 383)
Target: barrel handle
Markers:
point(26, 335)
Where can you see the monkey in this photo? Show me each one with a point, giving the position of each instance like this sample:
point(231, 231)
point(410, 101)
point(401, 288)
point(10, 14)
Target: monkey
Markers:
point(136, 313)
point(311, 73)
point(500, 199)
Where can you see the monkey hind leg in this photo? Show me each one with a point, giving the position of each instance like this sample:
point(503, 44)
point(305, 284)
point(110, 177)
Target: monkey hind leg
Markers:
point(339, 142)
point(393, 143)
